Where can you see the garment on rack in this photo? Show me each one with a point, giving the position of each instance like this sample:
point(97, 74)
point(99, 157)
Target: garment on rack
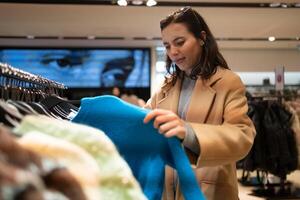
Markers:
point(145, 150)
point(274, 149)
point(296, 105)
point(295, 125)
point(25, 175)
point(14, 187)
point(116, 181)
point(69, 155)
point(9, 114)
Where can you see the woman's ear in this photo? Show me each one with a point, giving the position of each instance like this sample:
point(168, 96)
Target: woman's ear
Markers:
point(201, 42)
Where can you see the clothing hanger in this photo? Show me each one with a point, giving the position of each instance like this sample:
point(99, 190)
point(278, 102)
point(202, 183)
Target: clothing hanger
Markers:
point(59, 106)
point(26, 105)
point(54, 100)
point(41, 109)
point(22, 109)
point(60, 112)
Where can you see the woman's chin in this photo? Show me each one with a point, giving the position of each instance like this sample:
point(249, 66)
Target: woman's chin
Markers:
point(181, 67)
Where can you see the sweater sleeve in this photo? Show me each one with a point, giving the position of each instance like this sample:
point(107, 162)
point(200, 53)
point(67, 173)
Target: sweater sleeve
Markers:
point(190, 141)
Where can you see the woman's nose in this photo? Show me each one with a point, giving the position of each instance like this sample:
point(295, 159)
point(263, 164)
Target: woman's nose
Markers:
point(174, 50)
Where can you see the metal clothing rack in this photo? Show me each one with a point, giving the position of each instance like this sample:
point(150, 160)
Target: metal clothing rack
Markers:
point(17, 84)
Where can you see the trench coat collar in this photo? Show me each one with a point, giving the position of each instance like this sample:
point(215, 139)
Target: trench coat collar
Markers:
point(201, 100)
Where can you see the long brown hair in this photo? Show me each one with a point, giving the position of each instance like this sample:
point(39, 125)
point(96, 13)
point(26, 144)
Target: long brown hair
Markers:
point(211, 57)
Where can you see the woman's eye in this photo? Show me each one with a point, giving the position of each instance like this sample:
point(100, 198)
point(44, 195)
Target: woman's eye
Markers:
point(180, 43)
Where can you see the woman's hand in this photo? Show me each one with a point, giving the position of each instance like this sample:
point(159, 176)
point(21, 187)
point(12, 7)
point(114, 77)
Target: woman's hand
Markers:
point(167, 123)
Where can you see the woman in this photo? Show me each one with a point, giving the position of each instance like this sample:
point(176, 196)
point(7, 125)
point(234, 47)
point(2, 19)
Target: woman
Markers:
point(202, 103)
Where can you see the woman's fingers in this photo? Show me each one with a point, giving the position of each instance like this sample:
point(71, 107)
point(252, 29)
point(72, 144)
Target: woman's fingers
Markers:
point(178, 131)
point(164, 118)
point(167, 123)
point(167, 126)
point(153, 114)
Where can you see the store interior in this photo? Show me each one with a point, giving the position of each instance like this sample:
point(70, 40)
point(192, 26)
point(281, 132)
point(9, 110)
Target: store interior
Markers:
point(93, 47)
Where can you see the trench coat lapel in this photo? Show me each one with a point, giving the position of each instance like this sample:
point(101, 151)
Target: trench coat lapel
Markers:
point(203, 98)
point(201, 102)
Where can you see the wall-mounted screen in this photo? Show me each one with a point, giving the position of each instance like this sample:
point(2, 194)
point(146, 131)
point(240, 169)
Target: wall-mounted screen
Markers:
point(85, 68)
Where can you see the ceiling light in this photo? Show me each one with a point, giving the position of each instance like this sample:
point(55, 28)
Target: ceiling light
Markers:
point(151, 3)
point(273, 5)
point(297, 5)
point(122, 2)
point(271, 38)
point(91, 37)
point(30, 37)
point(137, 2)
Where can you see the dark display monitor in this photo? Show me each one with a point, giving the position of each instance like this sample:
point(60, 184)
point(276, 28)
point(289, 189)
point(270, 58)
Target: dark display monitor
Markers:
point(84, 68)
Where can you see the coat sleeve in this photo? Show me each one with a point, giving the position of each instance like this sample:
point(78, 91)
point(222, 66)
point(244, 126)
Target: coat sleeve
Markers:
point(231, 140)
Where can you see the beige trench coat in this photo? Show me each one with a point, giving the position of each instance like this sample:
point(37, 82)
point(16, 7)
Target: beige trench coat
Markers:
point(218, 115)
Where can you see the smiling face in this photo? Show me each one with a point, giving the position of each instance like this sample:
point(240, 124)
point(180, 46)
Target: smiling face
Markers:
point(182, 47)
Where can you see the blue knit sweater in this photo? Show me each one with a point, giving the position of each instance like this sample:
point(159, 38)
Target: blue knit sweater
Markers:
point(145, 150)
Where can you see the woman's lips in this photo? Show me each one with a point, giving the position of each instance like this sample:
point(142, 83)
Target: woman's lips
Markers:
point(179, 61)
